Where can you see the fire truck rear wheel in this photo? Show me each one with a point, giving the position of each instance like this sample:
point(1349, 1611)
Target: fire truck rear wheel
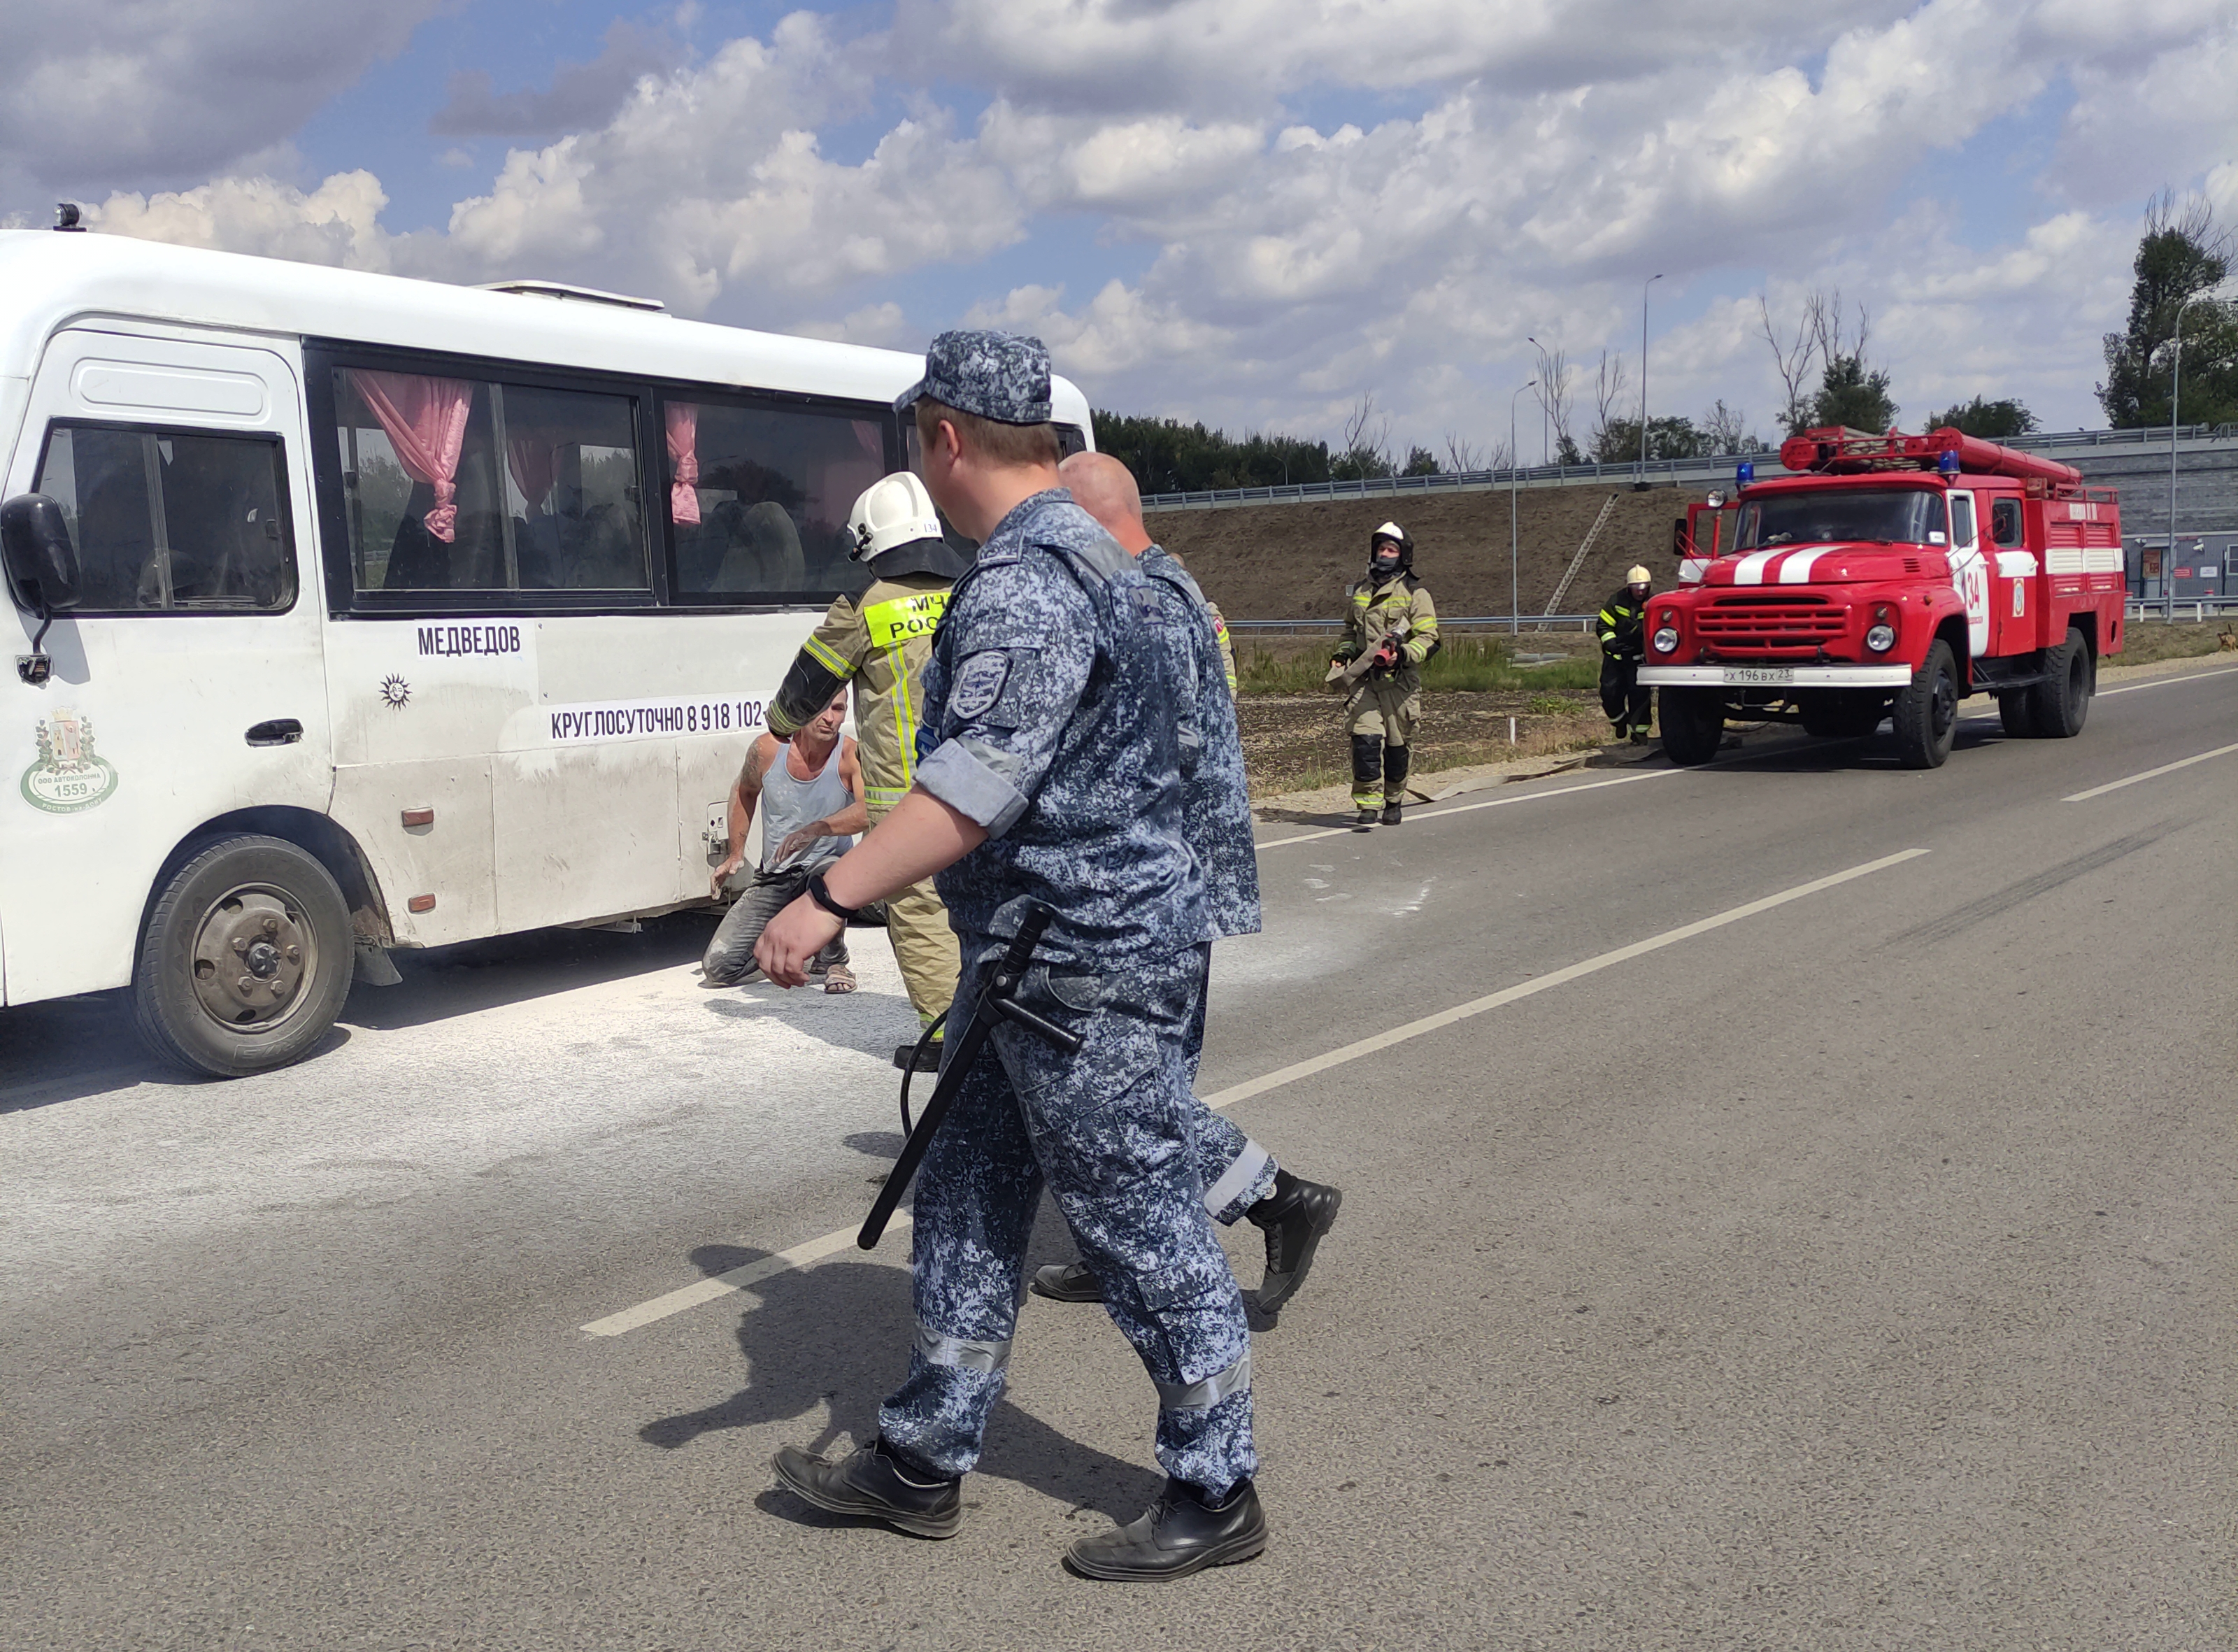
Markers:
point(245, 960)
point(1927, 711)
point(2059, 704)
point(1693, 724)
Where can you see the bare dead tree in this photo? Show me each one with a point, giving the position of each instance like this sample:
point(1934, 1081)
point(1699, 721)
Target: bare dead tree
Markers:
point(1827, 332)
point(1497, 457)
point(1463, 455)
point(1794, 356)
point(1554, 393)
point(1368, 433)
point(1609, 396)
point(1725, 428)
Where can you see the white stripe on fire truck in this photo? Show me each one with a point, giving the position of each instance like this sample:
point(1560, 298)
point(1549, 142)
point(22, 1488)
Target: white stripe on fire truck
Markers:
point(1796, 570)
point(1750, 569)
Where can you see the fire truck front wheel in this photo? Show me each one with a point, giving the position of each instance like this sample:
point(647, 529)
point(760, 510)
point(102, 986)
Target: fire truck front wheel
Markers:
point(2058, 705)
point(1926, 715)
point(1693, 724)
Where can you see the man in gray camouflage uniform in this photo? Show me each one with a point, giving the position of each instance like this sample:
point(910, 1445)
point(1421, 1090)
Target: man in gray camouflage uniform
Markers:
point(1050, 769)
point(1240, 1177)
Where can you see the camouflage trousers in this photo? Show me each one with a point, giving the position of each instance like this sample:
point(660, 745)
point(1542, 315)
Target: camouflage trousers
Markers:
point(1237, 1173)
point(1113, 1132)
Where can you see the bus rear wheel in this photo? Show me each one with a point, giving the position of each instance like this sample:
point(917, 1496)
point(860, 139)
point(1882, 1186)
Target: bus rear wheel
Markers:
point(245, 960)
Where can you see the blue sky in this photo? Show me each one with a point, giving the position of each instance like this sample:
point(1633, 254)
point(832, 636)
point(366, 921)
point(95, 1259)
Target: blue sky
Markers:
point(1251, 211)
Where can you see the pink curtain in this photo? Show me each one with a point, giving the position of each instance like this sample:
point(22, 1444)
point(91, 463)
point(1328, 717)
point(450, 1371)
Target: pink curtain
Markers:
point(684, 456)
point(426, 422)
point(531, 455)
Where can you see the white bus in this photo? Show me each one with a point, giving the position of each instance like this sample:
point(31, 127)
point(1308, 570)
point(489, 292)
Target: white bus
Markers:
point(359, 613)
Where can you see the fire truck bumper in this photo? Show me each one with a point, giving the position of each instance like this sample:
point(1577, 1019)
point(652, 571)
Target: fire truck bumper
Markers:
point(1774, 676)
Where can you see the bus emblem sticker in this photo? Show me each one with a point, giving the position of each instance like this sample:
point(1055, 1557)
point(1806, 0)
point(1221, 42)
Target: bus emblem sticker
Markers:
point(68, 777)
point(394, 692)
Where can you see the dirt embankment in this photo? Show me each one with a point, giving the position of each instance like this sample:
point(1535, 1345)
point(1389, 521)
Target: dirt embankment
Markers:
point(1294, 561)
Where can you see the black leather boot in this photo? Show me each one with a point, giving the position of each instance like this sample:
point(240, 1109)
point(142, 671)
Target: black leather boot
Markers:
point(1367, 775)
point(870, 1482)
point(1180, 1535)
point(1395, 782)
point(1066, 1282)
point(1293, 1218)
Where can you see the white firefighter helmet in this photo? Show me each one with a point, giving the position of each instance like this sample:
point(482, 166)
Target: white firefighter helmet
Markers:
point(894, 511)
point(1638, 575)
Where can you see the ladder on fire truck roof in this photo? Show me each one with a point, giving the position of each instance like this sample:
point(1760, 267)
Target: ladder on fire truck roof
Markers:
point(1577, 562)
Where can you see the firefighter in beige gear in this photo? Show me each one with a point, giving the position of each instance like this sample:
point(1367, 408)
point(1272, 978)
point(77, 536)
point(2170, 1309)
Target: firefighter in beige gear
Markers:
point(1390, 630)
point(880, 642)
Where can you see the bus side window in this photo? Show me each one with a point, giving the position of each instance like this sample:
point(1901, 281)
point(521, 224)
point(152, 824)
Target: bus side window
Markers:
point(173, 519)
point(758, 497)
point(2005, 522)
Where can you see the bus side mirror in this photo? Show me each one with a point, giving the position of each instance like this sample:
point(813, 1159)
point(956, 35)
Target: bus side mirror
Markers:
point(35, 543)
point(42, 563)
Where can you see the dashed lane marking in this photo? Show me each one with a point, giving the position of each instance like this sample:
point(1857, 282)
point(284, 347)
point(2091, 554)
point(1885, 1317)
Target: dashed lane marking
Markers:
point(1494, 802)
point(800, 1256)
point(2150, 774)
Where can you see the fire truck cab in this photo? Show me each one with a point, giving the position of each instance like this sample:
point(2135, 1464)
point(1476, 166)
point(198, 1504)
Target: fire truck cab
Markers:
point(1890, 577)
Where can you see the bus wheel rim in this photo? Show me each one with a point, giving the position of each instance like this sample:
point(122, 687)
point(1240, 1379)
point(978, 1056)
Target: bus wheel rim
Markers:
point(254, 955)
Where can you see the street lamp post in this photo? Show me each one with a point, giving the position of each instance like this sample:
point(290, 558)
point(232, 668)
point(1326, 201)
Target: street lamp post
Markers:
point(1643, 286)
point(1514, 582)
point(2176, 400)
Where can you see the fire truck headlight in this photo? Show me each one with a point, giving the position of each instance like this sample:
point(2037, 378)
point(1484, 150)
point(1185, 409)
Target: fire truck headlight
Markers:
point(1881, 638)
point(1666, 639)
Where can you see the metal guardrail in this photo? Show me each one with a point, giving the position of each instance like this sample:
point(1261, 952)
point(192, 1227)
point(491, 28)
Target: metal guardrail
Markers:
point(1499, 622)
point(2155, 608)
point(1666, 472)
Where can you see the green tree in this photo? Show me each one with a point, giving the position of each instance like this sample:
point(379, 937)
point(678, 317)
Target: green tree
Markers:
point(1170, 457)
point(2183, 254)
point(1670, 437)
point(1991, 420)
point(1854, 396)
point(1421, 462)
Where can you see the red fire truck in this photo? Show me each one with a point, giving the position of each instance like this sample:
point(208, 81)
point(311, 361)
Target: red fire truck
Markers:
point(1890, 577)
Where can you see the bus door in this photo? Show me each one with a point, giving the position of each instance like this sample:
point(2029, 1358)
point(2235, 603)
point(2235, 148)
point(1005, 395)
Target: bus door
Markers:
point(190, 681)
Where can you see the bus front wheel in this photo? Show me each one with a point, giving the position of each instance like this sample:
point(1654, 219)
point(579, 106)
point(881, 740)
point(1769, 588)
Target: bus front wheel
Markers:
point(246, 959)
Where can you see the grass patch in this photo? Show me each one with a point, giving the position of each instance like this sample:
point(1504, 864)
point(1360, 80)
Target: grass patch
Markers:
point(1465, 665)
point(2145, 641)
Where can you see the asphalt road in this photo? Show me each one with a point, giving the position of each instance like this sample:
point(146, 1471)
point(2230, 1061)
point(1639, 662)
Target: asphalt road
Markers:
point(1853, 1266)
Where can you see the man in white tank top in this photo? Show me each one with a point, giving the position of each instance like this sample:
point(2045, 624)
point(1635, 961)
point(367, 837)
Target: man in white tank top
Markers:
point(810, 792)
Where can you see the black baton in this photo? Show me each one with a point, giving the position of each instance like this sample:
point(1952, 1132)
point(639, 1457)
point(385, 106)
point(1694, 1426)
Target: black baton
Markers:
point(997, 1000)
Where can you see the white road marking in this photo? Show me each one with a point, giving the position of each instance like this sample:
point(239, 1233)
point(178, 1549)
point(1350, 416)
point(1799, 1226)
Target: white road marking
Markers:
point(743, 1279)
point(2150, 774)
point(800, 1256)
point(1463, 808)
point(2163, 682)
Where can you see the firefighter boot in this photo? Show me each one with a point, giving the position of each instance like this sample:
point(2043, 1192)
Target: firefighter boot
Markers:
point(1183, 1533)
point(1293, 1218)
point(872, 1483)
point(1395, 782)
point(1367, 777)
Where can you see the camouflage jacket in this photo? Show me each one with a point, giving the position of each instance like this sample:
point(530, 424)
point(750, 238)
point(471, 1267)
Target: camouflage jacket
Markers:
point(1049, 721)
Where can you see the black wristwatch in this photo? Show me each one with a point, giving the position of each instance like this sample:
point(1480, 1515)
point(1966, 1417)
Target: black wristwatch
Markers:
point(822, 897)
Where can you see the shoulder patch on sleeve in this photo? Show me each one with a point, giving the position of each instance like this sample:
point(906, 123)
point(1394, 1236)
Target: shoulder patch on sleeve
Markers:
point(979, 684)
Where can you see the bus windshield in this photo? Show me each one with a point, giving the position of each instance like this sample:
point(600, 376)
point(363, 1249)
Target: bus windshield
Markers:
point(1822, 516)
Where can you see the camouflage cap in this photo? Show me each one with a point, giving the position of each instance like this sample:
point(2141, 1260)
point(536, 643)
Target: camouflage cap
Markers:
point(998, 375)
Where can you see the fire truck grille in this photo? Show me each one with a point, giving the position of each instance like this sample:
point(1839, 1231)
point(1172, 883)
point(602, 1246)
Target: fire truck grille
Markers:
point(1770, 624)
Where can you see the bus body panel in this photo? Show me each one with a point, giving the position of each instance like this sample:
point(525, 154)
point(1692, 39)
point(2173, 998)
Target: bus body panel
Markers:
point(158, 706)
point(574, 772)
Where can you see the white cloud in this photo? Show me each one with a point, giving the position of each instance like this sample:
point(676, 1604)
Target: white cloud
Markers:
point(1274, 205)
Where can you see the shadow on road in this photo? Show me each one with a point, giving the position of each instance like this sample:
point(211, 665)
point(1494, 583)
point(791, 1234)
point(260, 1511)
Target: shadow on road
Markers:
point(445, 981)
point(70, 1049)
point(824, 1344)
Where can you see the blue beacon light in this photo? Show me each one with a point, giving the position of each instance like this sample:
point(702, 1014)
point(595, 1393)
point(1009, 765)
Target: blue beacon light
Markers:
point(1947, 462)
point(1745, 472)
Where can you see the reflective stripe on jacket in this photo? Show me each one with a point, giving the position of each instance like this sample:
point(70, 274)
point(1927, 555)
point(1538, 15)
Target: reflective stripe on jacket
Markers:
point(1622, 627)
point(879, 641)
point(1374, 611)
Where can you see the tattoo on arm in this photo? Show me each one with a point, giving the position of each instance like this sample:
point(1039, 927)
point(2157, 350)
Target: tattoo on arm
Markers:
point(750, 774)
